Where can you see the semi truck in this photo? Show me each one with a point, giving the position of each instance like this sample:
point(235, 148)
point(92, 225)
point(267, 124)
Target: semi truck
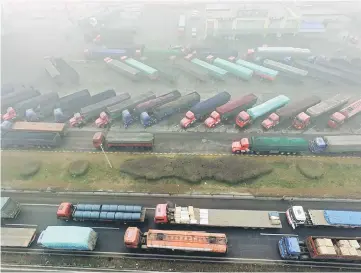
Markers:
point(25, 139)
point(193, 70)
point(288, 112)
point(90, 112)
point(234, 69)
point(123, 69)
point(350, 144)
point(270, 145)
point(297, 216)
point(230, 110)
point(176, 215)
point(9, 208)
point(320, 248)
point(100, 212)
point(213, 71)
point(176, 240)
point(245, 118)
point(119, 140)
point(339, 118)
point(17, 237)
point(183, 103)
point(204, 108)
point(260, 71)
point(286, 70)
point(303, 119)
point(13, 98)
point(146, 69)
point(68, 238)
point(278, 53)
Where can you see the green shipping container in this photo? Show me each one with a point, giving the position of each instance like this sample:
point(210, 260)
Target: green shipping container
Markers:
point(279, 145)
point(236, 70)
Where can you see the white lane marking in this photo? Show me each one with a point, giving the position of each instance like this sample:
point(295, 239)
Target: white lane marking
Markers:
point(21, 225)
point(104, 228)
point(40, 205)
point(270, 234)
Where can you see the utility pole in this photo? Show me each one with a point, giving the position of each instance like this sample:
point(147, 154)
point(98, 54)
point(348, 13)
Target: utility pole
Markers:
point(106, 157)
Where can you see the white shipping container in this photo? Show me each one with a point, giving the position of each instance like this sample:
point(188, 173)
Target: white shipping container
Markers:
point(203, 221)
point(354, 244)
point(353, 251)
point(203, 211)
point(344, 251)
point(328, 242)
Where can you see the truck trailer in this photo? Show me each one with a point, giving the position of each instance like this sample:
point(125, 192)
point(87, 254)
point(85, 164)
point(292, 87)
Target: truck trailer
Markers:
point(192, 216)
point(297, 216)
point(123, 69)
point(234, 69)
point(53, 72)
point(176, 240)
point(193, 70)
point(230, 110)
point(9, 208)
point(100, 213)
point(270, 145)
point(286, 70)
point(260, 71)
point(288, 112)
point(68, 238)
point(278, 53)
point(245, 118)
point(320, 248)
point(17, 237)
point(350, 144)
point(183, 103)
point(10, 100)
point(44, 104)
point(67, 72)
point(213, 71)
point(119, 140)
point(25, 139)
point(339, 118)
point(303, 119)
point(40, 127)
point(204, 108)
point(104, 95)
point(146, 69)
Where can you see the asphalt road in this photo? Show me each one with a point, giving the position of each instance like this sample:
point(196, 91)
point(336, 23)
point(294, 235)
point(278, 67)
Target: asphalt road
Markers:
point(40, 210)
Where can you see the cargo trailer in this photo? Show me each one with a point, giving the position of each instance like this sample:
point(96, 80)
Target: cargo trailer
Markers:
point(261, 71)
point(279, 53)
point(53, 72)
point(67, 72)
point(101, 53)
point(289, 112)
point(193, 70)
point(245, 118)
point(213, 71)
point(297, 216)
point(326, 62)
point(25, 139)
point(9, 208)
point(150, 105)
point(13, 98)
point(17, 237)
point(124, 69)
point(121, 140)
point(176, 240)
point(270, 145)
point(204, 108)
point(77, 238)
point(234, 69)
point(146, 69)
point(193, 216)
point(104, 95)
point(286, 70)
point(41, 127)
point(348, 144)
point(44, 104)
point(320, 248)
point(100, 212)
point(230, 110)
point(166, 72)
point(303, 119)
point(339, 118)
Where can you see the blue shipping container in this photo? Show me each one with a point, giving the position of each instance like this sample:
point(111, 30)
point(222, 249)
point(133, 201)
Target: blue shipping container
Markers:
point(343, 218)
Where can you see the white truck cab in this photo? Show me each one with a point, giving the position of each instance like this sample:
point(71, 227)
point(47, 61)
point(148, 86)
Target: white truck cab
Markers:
point(296, 216)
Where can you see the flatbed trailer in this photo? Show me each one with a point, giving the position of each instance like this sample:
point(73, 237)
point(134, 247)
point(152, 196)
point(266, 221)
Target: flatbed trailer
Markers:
point(177, 215)
point(123, 140)
point(45, 127)
point(17, 237)
point(297, 216)
point(193, 70)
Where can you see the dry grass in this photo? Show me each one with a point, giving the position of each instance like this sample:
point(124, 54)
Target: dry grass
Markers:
point(341, 176)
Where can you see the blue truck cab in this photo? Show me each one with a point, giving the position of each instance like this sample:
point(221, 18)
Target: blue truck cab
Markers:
point(318, 145)
point(127, 118)
point(145, 119)
point(289, 248)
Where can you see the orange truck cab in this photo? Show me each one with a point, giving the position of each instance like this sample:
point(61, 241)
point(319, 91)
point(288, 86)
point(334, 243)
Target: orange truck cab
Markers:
point(336, 120)
point(240, 146)
point(272, 121)
point(188, 120)
point(132, 237)
point(98, 140)
point(301, 121)
point(161, 215)
point(214, 119)
point(243, 119)
point(65, 211)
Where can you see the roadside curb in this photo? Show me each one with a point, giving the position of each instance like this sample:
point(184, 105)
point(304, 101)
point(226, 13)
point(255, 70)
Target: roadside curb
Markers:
point(190, 196)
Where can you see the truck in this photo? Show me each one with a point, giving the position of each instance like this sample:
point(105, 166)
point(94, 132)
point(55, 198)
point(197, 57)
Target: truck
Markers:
point(90, 112)
point(124, 69)
point(10, 208)
point(183, 103)
point(40, 127)
point(286, 70)
point(270, 145)
point(18, 96)
point(193, 70)
point(297, 216)
point(76, 238)
point(260, 71)
point(288, 112)
point(234, 69)
point(303, 119)
point(213, 71)
point(348, 144)
point(278, 53)
point(320, 248)
point(172, 214)
point(339, 118)
point(100, 213)
point(230, 110)
point(121, 140)
point(204, 108)
point(17, 237)
point(24, 139)
point(245, 118)
point(152, 73)
point(176, 240)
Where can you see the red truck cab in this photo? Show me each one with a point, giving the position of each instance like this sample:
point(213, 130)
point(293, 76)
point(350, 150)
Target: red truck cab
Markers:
point(213, 120)
point(240, 146)
point(10, 114)
point(161, 216)
point(132, 237)
point(301, 121)
point(64, 211)
point(103, 120)
point(76, 120)
point(336, 120)
point(243, 119)
point(188, 120)
point(272, 120)
point(98, 140)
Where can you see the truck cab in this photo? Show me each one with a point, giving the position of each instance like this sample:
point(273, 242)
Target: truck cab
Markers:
point(243, 119)
point(10, 114)
point(99, 140)
point(241, 146)
point(296, 216)
point(213, 120)
point(301, 121)
point(77, 120)
point(289, 248)
point(336, 120)
point(161, 214)
point(145, 119)
point(318, 145)
point(188, 120)
point(132, 237)
point(271, 121)
point(127, 118)
point(65, 211)
point(103, 120)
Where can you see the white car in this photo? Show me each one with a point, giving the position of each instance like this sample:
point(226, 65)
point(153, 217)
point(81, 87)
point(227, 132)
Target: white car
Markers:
point(194, 32)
